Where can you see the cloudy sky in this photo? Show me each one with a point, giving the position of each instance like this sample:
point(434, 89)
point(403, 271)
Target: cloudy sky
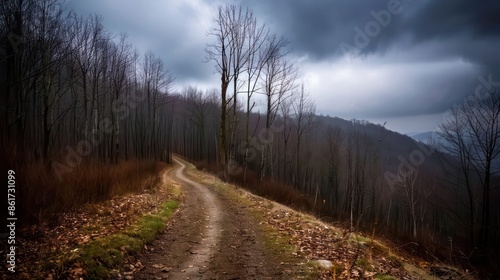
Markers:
point(405, 62)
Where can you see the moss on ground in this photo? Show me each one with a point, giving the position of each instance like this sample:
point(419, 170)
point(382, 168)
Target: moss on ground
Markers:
point(102, 255)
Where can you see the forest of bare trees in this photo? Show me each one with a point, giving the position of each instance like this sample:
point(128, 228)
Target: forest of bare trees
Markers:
point(69, 86)
point(76, 103)
point(73, 93)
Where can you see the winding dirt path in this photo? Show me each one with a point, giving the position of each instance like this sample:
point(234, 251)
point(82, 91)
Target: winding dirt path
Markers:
point(200, 254)
point(210, 237)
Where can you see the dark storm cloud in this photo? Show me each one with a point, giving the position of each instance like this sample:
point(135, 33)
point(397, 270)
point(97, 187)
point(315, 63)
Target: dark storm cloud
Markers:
point(464, 35)
point(466, 29)
point(448, 18)
point(319, 27)
point(416, 58)
point(315, 27)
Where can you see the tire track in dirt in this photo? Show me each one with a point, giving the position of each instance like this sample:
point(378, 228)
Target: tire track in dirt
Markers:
point(193, 237)
point(200, 255)
point(212, 236)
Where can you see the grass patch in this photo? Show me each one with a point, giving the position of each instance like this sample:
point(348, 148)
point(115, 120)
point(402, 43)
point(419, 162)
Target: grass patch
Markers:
point(363, 263)
point(274, 242)
point(360, 239)
point(91, 228)
point(101, 255)
point(384, 277)
point(418, 272)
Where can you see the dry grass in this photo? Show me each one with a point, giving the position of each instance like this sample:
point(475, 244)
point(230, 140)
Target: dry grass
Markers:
point(43, 195)
point(267, 188)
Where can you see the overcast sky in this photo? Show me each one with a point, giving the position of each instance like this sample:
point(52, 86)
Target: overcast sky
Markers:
point(405, 62)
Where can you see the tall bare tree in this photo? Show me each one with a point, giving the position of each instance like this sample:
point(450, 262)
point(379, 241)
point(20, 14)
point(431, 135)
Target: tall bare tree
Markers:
point(279, 75)
point(472, 133)
point(408, 181)
point(231, 55)
point(220, 52)
point(304, 111)
point(258, 55)
point(334, 140)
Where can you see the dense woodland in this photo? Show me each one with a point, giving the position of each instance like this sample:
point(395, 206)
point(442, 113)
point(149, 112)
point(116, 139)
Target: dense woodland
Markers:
point(73, 94)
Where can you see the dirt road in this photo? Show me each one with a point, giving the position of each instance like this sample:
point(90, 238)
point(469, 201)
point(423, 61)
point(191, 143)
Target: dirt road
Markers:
point(210, 237)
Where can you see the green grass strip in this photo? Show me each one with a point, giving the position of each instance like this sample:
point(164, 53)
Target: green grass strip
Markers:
point(110, 252)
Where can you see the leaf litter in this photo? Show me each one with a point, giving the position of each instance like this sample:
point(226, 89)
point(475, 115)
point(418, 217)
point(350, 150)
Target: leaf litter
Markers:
point(49, 247)
point(351, 254)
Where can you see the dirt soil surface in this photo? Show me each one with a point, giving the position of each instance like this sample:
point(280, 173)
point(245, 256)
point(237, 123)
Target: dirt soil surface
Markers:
point(210, 237)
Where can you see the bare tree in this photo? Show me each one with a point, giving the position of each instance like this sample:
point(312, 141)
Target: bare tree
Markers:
point(221, 53)
point(234, 28)
point(14, 53)
point(89, 31)
point(286, 133)
point(334, 140)
point(304, 111)
point(257, 58)
point(279, 75)
point(407, 181)
point(453, 132)
point(243, 23)
point(196, 112)
point(54, 41)
point(156, 82)
point(472, 133)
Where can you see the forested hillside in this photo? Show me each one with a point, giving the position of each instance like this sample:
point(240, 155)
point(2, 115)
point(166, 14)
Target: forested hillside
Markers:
point(80, 104)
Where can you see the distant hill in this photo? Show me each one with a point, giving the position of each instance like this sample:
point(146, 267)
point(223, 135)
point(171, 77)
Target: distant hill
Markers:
point(392, 146)
point(425, 137)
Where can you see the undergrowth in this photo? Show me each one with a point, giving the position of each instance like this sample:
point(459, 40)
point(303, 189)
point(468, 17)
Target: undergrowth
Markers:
point(43, 195)
point(267, 188)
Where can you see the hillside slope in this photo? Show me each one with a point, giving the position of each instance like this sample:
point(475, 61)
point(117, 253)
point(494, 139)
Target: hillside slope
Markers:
point(322, 251)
